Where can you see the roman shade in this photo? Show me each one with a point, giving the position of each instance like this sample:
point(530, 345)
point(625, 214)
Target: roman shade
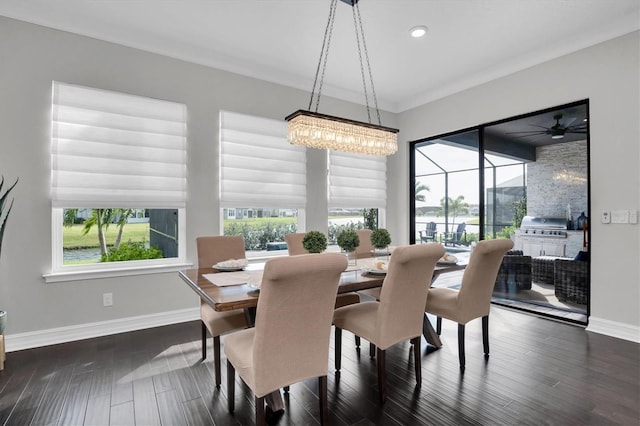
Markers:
point(111, 149)
point(357, 180)
point(258, 167)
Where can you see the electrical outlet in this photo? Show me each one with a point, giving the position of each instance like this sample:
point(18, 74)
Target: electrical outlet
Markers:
point(633, 216)
point(606, 217)
point(107, 299)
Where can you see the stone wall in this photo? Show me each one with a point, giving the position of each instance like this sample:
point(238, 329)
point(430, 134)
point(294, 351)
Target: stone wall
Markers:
point(557, 178)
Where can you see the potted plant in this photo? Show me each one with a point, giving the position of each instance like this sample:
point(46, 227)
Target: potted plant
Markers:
point(314, 242)
point(3, 223)
point(348, 240)
point(380, 239)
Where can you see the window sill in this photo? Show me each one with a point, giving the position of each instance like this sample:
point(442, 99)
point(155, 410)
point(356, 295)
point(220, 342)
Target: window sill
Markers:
point(89, 274)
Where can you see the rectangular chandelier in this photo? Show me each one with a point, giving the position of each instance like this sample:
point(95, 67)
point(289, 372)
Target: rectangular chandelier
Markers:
point(323, 131)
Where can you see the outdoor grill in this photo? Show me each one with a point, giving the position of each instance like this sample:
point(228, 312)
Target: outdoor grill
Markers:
point(553, 227)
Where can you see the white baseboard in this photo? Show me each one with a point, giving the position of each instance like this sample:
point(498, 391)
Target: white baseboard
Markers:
point(614, 329)
point(35, 339)
point(52, 336)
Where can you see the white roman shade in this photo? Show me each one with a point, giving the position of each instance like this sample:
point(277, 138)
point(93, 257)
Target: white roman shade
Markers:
point(116, 150)
point(258, 167)
point(357, 180)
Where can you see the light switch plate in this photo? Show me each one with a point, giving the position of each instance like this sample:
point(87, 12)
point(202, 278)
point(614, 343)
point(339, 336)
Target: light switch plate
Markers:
point(633, 216)
point(620, 216)
point(606, 217)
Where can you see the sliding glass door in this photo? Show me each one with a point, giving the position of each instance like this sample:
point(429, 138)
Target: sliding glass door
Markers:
point(535, 165)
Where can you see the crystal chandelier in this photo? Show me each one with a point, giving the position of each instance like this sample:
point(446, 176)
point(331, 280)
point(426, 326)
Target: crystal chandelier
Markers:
point(316, 130)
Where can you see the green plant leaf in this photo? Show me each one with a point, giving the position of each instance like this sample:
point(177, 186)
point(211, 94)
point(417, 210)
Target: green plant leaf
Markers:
point(3, 201)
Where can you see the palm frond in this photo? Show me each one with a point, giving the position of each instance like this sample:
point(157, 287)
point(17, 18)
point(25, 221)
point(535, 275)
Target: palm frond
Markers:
point(3, 201)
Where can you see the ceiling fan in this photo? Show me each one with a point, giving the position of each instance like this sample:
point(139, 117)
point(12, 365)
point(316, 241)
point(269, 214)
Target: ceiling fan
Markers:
point(557, 131)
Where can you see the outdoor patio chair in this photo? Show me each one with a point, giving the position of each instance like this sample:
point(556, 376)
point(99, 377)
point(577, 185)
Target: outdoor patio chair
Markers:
point(514, 273)
point(457, 237)
point(571, 280)
point(429, 234)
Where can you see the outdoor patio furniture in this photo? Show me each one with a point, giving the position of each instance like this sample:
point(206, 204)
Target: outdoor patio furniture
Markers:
point(571, 279)
point(429, 234)
point(514, 272)
point(542, 269)
point(457, 237)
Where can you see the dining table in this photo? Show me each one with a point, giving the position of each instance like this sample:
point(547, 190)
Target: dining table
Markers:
point(225, 291)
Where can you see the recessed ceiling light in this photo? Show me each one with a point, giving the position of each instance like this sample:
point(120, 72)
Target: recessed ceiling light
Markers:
point(419, 31)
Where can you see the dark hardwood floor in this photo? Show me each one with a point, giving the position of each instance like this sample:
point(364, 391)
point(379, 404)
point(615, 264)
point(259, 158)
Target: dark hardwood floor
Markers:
point(540, 372)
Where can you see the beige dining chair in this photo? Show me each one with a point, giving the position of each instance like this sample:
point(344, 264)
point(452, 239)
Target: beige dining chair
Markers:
point(295, 247)
point(473, 300)
point(211, 250)
point(397, 316)
point(365, 249)
point(290, 340)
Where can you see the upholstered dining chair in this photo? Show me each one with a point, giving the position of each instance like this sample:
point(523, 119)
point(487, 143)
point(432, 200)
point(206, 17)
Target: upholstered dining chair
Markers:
point(294, 243)
point(365, 249)
point(295, 247)
point(211, 250)
point(473, 300)
point(398, 314)
point(290, 340)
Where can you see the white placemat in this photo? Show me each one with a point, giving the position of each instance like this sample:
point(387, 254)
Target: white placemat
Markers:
point(224, 279)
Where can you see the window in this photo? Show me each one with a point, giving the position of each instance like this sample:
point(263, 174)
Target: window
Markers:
point(263, 181)
point(119, 173)
point(357, 191)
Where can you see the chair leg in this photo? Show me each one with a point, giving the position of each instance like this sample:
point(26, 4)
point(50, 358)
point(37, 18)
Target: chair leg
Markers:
point(338, 348)
point(438, 325)
point(372, 350)
point(485, 335)
point(322, 392)
point(461, 346)
point(216, 359)
point(382, 378)
point(231, 386)
point(357, 343)
point(204, 340)
point(417, 359)
point(260, 418)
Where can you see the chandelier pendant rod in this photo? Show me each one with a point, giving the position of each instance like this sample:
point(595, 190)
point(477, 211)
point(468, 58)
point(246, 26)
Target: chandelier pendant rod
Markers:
point(366, 55)
point(364, 80)
point(324, 54)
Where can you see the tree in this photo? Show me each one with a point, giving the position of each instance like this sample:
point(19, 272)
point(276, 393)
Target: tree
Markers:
point(456, 207)
point(419, 188)
point(100, 218)
point(121, 219)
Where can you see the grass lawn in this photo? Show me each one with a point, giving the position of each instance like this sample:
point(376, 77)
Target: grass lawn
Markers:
point(73, 238)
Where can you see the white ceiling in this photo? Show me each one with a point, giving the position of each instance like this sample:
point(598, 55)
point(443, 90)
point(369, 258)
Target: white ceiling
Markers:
point(469, 42)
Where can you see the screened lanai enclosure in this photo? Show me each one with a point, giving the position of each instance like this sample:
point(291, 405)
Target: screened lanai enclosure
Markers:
point(448, 176)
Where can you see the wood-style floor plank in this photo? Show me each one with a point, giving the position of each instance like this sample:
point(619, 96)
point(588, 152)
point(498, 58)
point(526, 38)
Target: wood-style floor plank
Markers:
point(539, 372)
point(98, 410)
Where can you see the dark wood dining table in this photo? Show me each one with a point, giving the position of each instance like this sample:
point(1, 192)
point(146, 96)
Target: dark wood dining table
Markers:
point(245, 296)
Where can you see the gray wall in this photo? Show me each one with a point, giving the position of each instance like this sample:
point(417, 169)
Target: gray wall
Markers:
point(606, 74)
point(33, 56)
